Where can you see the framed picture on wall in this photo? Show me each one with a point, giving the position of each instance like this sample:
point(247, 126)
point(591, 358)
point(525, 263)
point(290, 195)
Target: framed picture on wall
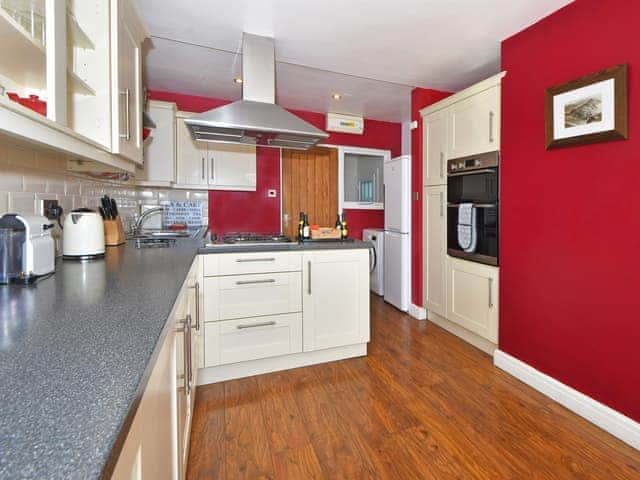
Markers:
point(587, 110)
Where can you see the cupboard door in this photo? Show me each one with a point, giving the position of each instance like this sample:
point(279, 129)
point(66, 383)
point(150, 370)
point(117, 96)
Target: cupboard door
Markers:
point(231, 166)
point(191, 158)
point(127, 101)
point(435, 149)
point(474, 124)
point(159, 166)
point(248, 339)
point(335, 299)
point(435, 248)
point(473, 297)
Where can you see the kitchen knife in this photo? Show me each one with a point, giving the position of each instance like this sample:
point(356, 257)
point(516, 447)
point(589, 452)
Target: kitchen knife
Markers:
point(114, 208)
point(102, 214)
point(106, 205)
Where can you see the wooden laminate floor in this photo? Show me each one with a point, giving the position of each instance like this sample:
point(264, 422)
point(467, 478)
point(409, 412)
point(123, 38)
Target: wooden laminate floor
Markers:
point(423, 404)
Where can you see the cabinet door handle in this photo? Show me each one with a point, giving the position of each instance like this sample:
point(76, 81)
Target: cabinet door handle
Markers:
point(185, 344)
point(252, 282)
point(254, 325)
point(190, 357)
point(441, 204)
point(202, 170)
point(196, 287)
point(491, 127)
point(441, 164)
point(247, 260)
point(309, 277)
point(127, 115)
point(211, 172)
point(490, 292)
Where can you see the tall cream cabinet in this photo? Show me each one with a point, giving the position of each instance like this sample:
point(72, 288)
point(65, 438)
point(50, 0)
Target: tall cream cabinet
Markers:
point(458, 294)
point(211, 165)
point(435, 249)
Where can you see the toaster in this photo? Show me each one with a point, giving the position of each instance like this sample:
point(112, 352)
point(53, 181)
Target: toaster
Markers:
point(27, 249)
point(83, 237)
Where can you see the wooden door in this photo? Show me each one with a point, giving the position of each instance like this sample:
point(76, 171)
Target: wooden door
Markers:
point(310, 185)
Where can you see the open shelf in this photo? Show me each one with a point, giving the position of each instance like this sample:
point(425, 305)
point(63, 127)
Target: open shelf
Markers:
point(22, 57)
point(77, 85)
point(77, 35)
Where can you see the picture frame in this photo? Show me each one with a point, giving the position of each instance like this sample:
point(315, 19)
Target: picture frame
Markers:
point(590, 109)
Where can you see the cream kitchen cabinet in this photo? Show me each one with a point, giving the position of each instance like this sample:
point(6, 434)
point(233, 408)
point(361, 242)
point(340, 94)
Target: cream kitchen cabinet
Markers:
point(473, 297)
point(435, 129)
point(127, 35)
point(210, 165)
point(159, 167)
point(335, 298)
point(157, 444)
point(435, 249)
point(474, 124)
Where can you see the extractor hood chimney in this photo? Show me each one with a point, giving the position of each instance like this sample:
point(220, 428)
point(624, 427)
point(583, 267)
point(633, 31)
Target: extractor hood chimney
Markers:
point(256, 119)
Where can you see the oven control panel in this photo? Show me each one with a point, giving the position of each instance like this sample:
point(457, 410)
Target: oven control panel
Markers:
point(475, 162)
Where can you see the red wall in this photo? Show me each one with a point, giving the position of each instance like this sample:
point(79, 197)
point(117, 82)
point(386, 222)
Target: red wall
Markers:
point(420, 98)
point(255, 211)
point(570, 221)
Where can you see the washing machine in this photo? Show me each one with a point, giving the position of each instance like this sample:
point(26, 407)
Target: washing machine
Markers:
point(375, 236)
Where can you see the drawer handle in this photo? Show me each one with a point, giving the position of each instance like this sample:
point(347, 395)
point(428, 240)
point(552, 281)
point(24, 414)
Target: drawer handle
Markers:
point(263, 324)
point(252, 282)
point(246, 260)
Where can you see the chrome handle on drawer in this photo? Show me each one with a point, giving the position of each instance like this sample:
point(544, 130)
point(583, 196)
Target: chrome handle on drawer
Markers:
point(309, 278)
point(245, 260)
point(254, 325)
point(251, 282)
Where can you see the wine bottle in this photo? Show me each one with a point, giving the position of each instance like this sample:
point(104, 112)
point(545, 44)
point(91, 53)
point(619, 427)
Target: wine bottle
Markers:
point(305, 228)
point(300, 226)
point(338, 223)
point(344, 231)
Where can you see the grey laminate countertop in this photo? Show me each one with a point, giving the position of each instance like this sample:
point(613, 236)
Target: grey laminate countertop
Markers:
point(286, 247)
point(74, 349)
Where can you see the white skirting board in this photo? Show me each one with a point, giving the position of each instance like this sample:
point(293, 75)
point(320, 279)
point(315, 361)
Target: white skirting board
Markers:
point(615, 423)
point(417, 312)
point(232, 371)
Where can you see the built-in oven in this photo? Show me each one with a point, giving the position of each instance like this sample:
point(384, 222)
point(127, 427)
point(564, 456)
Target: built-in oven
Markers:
point(473, 193)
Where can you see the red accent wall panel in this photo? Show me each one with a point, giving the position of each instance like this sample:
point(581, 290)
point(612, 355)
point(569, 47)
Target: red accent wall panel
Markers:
point(255, 211)
point(570, 227)
point(420, 98)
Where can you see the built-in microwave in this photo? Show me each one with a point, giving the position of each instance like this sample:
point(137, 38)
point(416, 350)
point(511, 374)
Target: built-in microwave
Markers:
point(474, 180)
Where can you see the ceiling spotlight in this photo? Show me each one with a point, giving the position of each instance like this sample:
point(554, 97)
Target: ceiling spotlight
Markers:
point(237, 80)
point(336, 96)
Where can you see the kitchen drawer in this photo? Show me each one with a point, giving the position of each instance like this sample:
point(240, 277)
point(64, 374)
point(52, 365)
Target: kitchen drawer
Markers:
point(241, 296)
point(246, 339)
point(255, 262)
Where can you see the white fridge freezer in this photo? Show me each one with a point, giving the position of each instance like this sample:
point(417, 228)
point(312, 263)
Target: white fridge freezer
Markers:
point(397, 232)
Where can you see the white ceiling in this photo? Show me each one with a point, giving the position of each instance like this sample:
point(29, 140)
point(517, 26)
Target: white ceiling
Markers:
point(372, 51)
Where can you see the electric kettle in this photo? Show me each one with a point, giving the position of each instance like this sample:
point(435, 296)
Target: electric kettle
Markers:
point(83, 237)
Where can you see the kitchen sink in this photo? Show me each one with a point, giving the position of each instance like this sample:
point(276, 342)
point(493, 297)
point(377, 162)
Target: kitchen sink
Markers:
point(169, 234)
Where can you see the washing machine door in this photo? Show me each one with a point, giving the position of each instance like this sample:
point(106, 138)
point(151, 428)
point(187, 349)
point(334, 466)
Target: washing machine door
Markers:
point(376, 263)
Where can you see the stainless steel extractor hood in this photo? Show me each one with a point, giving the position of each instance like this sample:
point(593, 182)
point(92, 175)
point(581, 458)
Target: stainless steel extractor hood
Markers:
point(256, 119)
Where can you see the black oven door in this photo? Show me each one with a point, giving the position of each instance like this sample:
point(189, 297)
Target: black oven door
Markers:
point(486, 250)
point(475, 186)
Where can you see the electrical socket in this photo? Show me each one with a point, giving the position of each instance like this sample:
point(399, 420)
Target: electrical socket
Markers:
point(46, 207)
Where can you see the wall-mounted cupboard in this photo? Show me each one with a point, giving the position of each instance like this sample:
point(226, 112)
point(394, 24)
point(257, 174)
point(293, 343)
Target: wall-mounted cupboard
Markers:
point(83, 59)
point(173, 159)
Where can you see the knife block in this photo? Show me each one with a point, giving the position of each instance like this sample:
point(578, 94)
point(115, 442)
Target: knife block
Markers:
point(113, 232)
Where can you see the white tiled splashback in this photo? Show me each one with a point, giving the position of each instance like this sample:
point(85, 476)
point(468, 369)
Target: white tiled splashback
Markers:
point(28, 176)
